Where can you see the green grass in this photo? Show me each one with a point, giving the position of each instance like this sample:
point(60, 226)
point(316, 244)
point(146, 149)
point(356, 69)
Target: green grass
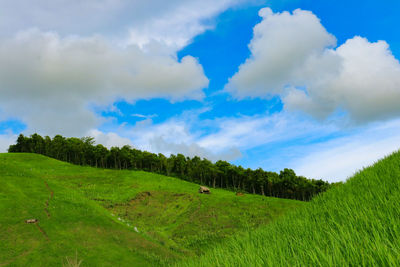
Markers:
point(93, 214)
point(356, 224)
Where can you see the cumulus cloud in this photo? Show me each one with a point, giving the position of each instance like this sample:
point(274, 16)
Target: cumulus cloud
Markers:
point(48, 81)
point(60, 58)
point(292, 55)
point(172, 22)
point(367, 84)
point(282, 42)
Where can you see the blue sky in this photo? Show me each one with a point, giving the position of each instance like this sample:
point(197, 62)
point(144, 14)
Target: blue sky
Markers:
point(309, 85)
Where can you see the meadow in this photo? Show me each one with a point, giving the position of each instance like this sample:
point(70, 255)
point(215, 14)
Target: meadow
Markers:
point(115, 217)
point(135, 218)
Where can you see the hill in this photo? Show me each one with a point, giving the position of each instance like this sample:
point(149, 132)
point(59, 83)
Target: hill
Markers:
point(114, 218)
point(356, 224)
point(221, 174)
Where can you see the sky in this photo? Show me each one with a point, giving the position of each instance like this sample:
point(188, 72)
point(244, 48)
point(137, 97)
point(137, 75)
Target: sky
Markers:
point(308, 85)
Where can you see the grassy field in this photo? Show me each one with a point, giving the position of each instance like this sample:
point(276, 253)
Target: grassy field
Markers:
point(356, 224)
point(115, 218)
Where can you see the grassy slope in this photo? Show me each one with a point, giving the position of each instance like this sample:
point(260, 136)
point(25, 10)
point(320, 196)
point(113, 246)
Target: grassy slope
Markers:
point(93, 213)
point(357, 224)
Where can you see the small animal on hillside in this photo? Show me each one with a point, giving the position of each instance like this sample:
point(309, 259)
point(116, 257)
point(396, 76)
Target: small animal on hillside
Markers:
point(204, 190)
point(240, 194)
point(32, 221)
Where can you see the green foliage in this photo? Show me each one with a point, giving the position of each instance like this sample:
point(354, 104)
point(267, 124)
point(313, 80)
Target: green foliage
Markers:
point(102, 217)
point(221, 174)
point(353, 224)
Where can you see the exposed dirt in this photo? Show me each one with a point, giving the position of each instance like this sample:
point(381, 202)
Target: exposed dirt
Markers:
point(139, 197)
point(42, 231)
point(35, 221)
point(48, 200)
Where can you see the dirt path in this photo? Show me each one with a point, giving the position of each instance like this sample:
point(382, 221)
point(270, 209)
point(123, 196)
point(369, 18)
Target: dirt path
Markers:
point(46, 209)
point(42, 231)
point(48, 200)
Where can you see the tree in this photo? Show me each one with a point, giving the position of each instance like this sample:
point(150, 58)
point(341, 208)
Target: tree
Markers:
point(83, 151)
point(100, 155)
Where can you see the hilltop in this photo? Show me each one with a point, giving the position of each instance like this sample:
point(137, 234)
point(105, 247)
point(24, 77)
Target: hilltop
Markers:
point(221, 174)
point(355, 224)
point(115, 217)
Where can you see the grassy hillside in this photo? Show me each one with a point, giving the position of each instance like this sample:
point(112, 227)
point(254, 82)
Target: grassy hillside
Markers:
point(114, 218)
point(356, 224)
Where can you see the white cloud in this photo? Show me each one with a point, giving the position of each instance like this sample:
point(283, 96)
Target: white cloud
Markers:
point(6, 140)
point(367, 84)
point(223, 138)
point(64, 16)
point(109, 139)
point(250, 132)
point(281, 43)
point(338, 159)
point(49, 82)
point(172, 22)
point(192, 149)
point(292, 56)
point(50, 76)
point(61, 57)
point(180, 21)
point(176, 136)
point(316, 150)
point(283, 140)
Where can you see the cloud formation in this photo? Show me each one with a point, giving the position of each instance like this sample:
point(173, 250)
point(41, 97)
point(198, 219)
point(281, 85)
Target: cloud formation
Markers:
point(172, 22)
point(292, 55)
point(272, 142)
point(222, 138)
point(49, 82)
point(340, 158)
point(109, 139)
point(181, 134)
point(6, 140)
point(283, 140)
point(59, 58)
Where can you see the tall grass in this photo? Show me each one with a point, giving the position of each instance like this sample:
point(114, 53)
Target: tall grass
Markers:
point(356, 224)
point(72, 262)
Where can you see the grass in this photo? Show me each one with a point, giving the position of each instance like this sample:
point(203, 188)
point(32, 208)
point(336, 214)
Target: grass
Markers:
point(72, 262)
point(96, 217)
point(356, 224)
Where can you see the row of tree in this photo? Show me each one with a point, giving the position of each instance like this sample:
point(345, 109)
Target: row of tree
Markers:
point(222, 174)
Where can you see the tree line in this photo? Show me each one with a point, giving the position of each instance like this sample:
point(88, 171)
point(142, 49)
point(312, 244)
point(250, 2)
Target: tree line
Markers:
point(221, 174)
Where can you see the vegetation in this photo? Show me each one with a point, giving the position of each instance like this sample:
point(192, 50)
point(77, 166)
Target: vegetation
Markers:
point(221, 174)
point(355, 224)
point(100, 217)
